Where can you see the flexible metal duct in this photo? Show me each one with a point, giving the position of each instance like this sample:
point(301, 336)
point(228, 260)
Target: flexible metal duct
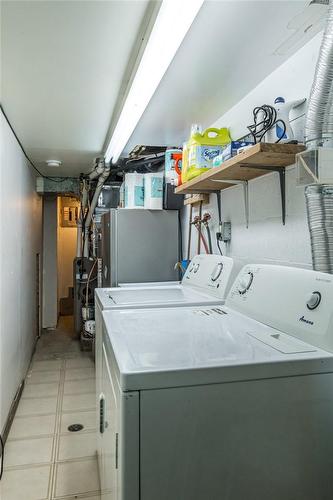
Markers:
point(319, 205)
point(319, 133)
point(319, 118)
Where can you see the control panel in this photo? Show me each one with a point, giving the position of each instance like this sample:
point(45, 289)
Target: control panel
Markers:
point(293, 300)
point(213, 273)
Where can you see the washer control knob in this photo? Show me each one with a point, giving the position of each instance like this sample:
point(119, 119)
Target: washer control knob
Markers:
point(245, 283)
point(313, 301)
point(196, 268)
point(217, 271)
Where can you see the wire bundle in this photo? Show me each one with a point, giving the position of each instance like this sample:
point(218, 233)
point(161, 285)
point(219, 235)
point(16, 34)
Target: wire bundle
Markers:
point(264, 118)
point(2, 456)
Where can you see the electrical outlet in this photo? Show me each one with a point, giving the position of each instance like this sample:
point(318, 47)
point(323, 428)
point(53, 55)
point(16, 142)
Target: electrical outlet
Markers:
point(226, 231)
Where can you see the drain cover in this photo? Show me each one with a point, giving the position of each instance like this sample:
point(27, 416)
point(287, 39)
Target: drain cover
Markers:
point(75, 427)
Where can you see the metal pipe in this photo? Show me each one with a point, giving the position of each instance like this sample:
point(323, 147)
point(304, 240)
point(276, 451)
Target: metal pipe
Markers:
point(319, 117)
point(84, 202)
point(79, 238)
point(102, 178)
point(319, 205)
point(318, 133)
point(98, 169)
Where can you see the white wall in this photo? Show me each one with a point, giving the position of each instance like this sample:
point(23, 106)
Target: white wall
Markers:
point(267, 239)
point(20, 234)
point(50, 286)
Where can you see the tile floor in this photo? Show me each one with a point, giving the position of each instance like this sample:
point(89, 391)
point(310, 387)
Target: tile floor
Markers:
point(43, 460)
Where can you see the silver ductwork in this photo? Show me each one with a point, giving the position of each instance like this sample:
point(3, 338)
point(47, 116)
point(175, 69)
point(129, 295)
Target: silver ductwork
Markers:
point(319, 205)
point(318, 134)
point(319, 118)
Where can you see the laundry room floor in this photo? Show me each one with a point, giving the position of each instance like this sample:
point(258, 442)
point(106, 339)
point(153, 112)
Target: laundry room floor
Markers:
point(43, 460)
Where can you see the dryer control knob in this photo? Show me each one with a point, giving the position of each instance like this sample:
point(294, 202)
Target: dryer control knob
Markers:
point(196, 268)
point(313, 301)
point(245, 283)
point(217, 271)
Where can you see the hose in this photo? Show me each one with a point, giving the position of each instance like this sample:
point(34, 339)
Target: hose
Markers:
point(189, 234)
point(209, 239)
point(88, 280)
point(2, 456)
point(197, 223)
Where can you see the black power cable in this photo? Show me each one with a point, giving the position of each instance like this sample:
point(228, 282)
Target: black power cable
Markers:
point(219, 209)
point(2, 456)
point(264, 118)
point(53, 179)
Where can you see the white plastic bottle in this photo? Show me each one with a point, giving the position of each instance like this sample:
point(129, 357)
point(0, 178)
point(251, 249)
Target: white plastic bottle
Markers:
point(279, 131)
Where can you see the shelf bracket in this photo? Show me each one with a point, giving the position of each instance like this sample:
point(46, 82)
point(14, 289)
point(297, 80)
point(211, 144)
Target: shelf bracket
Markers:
point(245, 185)
point(282, 177)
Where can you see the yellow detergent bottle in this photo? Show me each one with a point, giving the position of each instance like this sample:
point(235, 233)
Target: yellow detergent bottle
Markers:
point(202, 148)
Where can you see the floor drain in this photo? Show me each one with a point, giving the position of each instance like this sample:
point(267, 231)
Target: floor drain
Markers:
point(75, 427)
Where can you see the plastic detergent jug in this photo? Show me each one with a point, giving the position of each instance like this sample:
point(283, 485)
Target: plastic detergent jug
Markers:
point(202, 149)
point(178, 158)
point(169, 168)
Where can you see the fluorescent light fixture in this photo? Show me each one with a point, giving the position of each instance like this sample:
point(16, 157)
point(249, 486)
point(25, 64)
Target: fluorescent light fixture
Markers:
point(173, 21)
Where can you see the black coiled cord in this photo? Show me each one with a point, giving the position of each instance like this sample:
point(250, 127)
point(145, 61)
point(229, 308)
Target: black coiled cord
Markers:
point(2, 456)
point(268, 119)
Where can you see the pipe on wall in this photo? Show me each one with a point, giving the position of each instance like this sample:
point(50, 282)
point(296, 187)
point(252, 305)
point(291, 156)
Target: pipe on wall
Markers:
point(101, 179)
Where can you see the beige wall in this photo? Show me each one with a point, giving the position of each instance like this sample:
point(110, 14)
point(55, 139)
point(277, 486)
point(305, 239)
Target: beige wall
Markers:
point(50, 303)
point(66, 254)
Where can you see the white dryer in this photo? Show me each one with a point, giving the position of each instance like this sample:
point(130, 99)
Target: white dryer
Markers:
point(222, 402)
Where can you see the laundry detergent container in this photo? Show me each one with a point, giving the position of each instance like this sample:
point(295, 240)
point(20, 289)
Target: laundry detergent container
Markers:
point(201, 150)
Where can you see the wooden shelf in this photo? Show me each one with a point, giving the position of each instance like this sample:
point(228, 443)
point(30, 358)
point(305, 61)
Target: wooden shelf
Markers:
point(252, 163)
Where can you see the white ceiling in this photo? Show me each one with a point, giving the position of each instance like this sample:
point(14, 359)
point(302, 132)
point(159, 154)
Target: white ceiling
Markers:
point(64, 62)
point(230, 48)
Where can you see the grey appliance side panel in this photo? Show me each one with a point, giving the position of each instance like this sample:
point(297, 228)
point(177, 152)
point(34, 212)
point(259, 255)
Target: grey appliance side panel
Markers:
point(113, 262)
point(261, 439)
point(128, 438)
point(106, 250)
point(147, 245)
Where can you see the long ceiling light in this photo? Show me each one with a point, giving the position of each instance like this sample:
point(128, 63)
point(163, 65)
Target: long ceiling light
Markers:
point(172, 23)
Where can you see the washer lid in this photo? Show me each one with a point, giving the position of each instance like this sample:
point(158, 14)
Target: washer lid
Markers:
point(198, 345)
point(178, 295)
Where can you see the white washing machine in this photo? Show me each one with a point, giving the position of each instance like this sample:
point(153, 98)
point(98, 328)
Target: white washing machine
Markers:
point(230, 402)
point(207, 280)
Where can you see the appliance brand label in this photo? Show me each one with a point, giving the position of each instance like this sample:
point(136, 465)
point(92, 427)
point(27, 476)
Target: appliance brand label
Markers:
point(307, 321)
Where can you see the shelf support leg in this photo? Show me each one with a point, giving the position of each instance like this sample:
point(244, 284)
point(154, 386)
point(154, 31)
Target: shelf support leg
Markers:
point(246, 202)
point(282, 176)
